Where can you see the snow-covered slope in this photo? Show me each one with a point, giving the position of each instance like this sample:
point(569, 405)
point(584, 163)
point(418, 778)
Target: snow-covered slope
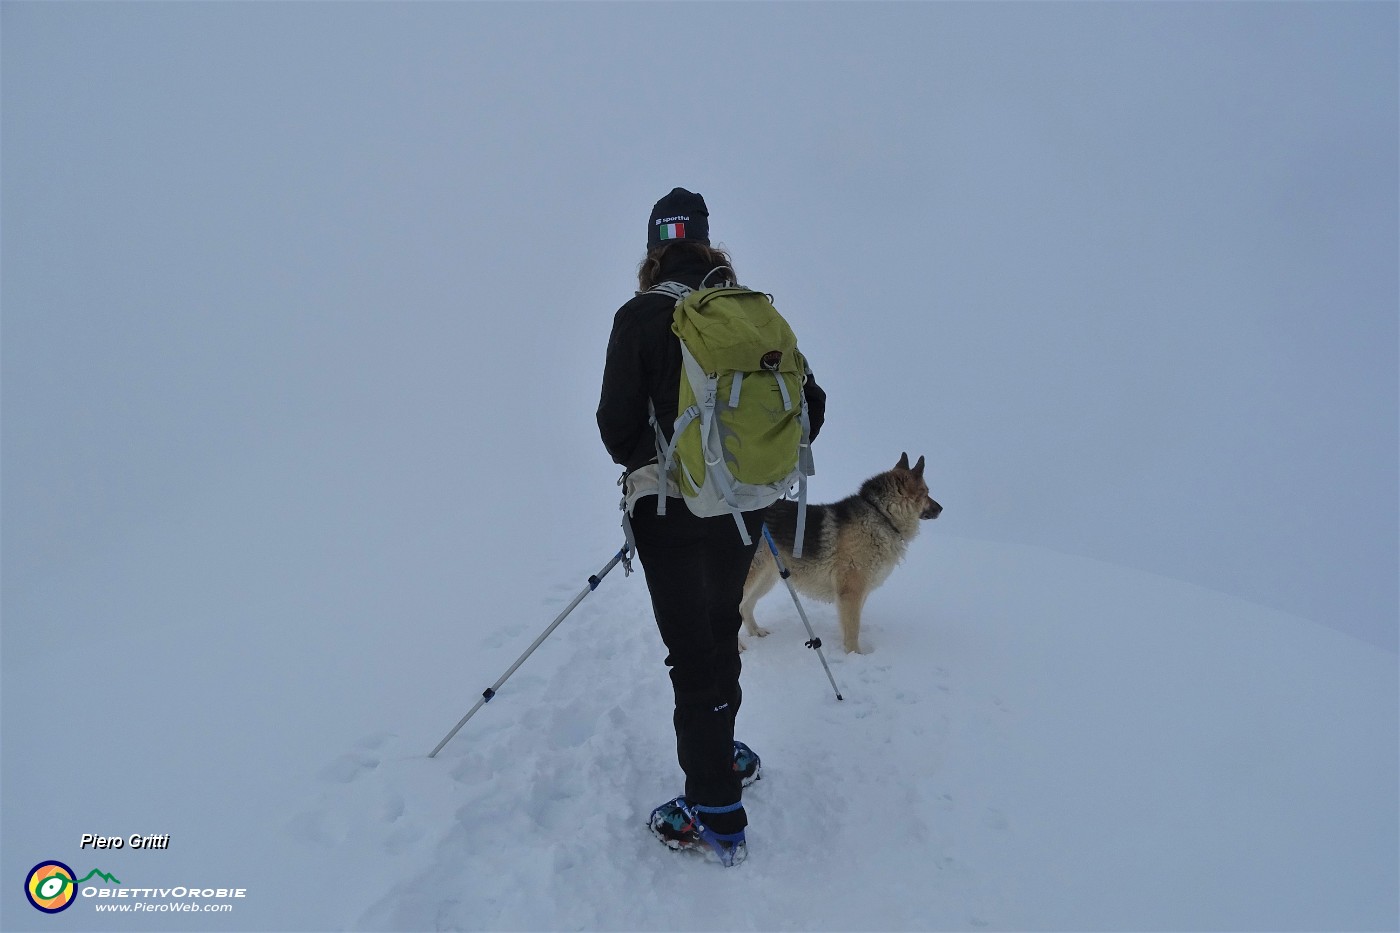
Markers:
point(1035, 742)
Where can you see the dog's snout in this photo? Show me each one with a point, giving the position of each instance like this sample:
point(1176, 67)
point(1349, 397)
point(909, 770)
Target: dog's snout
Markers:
point(932, 510)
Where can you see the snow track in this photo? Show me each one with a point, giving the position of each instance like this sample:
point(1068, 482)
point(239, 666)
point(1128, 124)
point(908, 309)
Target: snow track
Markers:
point(968, 781)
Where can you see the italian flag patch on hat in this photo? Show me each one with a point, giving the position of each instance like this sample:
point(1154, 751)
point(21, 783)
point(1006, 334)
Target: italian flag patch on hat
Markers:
point(673, 231)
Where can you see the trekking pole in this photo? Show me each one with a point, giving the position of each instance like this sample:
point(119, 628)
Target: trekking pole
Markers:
point(486, 695)
point(813, 640)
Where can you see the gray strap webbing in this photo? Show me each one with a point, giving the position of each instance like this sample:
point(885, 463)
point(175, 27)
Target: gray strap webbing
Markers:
point(660, 452)
point(801, 516)
point(804, 450)
point(805, 468)
point(734, 390)
point(782, 389)
point(667, 457)
point(631, 539)
point(719, 474)
point(675, 289)
point(727, 279)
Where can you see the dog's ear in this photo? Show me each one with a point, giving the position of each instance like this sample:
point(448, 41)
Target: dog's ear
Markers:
point(919, 468)
point(903, 463)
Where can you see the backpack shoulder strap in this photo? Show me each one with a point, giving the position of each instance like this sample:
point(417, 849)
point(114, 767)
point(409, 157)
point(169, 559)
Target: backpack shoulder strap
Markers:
point(725, 280)
point(674, 289)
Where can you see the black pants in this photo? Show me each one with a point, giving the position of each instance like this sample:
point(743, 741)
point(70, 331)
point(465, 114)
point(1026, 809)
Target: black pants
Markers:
point(695, 570)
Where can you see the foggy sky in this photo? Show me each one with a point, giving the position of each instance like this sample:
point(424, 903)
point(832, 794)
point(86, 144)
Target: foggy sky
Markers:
point(291, 289)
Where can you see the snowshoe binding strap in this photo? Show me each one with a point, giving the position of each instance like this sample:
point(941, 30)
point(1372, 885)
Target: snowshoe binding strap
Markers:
point(730, 848)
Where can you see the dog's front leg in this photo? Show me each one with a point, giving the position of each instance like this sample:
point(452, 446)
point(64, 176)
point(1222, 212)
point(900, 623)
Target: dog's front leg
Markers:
point(849, 600)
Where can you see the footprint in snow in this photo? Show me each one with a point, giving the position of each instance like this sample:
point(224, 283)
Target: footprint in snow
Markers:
point(572, 727)
point(349, 766)
point(502, 636)
point(392, 808)
point(993, 818)
point(375, 740)
point(560, 593)
point(322, 828)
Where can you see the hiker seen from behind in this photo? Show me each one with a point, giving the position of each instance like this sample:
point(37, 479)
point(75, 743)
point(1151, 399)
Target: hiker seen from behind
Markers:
point(710, 408)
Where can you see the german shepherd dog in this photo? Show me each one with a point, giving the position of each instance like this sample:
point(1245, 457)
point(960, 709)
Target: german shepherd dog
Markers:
point(850, 547)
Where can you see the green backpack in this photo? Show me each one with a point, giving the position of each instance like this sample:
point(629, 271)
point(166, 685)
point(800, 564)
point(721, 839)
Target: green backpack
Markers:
point(741, 438)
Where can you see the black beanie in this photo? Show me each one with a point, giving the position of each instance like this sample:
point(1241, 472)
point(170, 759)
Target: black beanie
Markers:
point(681, 215)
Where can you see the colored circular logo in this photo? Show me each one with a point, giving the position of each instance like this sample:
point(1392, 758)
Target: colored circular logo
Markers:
point(50, 887)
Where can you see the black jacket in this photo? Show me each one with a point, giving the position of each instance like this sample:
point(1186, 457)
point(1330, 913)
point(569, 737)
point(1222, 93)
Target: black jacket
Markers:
point(644, 363)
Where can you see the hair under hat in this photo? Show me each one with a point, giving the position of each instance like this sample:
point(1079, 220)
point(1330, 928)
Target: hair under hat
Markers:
point(680, 215)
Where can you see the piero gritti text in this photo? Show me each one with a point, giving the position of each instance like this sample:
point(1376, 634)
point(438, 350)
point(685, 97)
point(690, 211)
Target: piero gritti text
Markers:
point(134, 841)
